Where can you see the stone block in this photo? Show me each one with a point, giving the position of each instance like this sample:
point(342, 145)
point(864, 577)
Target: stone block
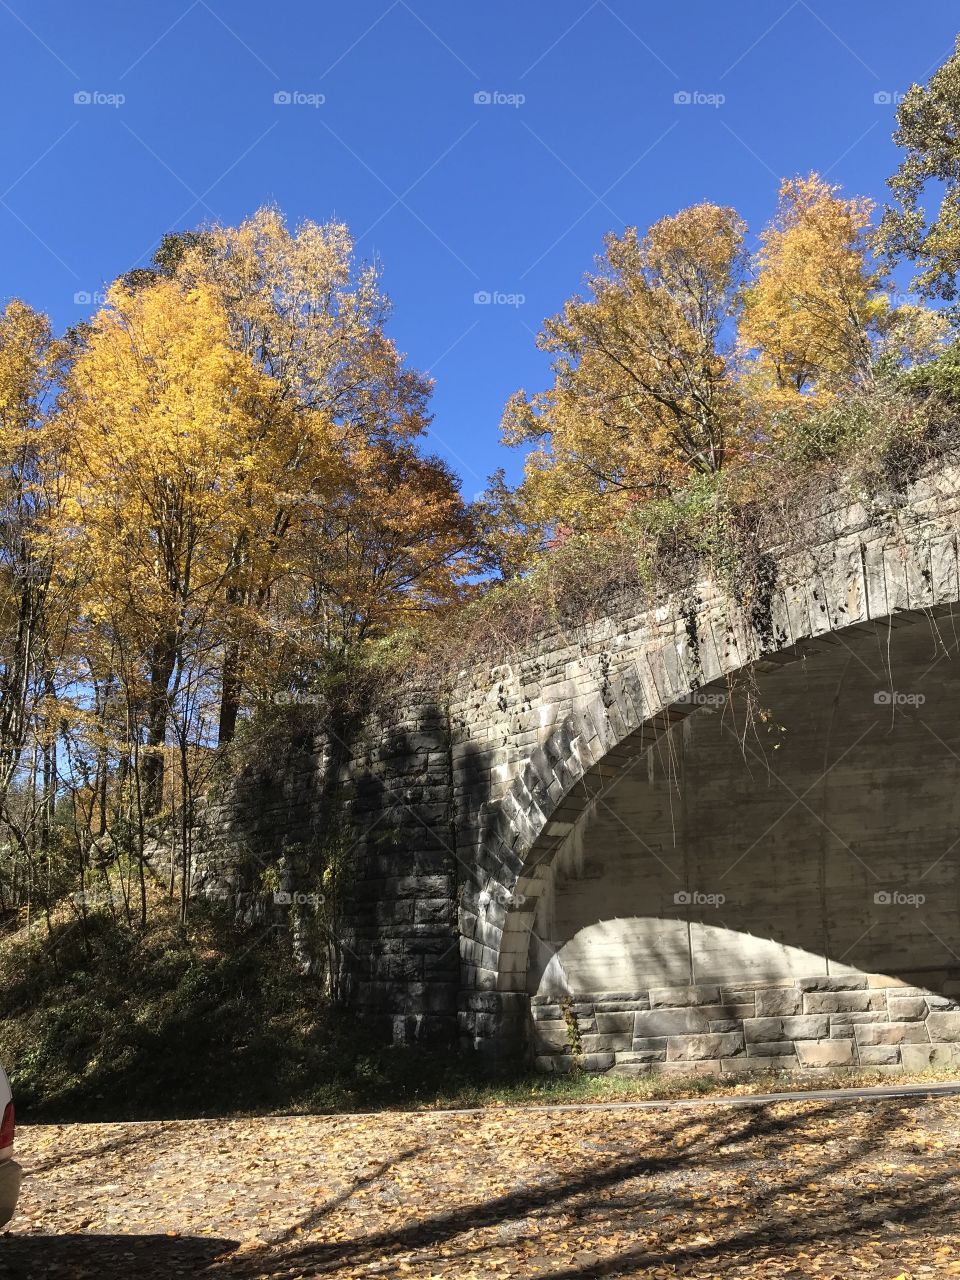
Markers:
point(825, 1053)
point(649, 1044)
point(692, 1068)
point(918, 1057)
point(906, 1008)
point(670, 1022)
point(844, 1001)
point(852, 1019)
point(615, 1022)
point(602, 1044)
point(777, 1002)
point(881, 1055)
point(682, 997)
point(552, 1036)
point(728, 1012)
point(891, 1033)
point(879, 980)
point(738, 995)
point(725, 1024)
point(834, 982)
point(783, 1063)
point(634, 1059)
point(943, 1026)
point(770, 1049)
point(596, 1061)
point(940, 1002)
point(693, 1048)
point(622, 1006)
point(801, 1027)
point(554, 1064)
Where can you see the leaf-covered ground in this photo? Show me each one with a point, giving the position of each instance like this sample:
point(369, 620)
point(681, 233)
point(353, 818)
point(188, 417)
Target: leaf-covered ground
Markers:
point(819, 1188)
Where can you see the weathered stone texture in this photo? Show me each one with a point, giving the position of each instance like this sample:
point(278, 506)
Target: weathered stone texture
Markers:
point(465, 809)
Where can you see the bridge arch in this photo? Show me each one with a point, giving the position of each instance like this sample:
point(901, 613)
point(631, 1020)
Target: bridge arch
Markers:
point(601, 704)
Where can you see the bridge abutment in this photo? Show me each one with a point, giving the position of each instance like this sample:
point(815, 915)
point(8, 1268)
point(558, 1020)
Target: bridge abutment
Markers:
point(512, 889)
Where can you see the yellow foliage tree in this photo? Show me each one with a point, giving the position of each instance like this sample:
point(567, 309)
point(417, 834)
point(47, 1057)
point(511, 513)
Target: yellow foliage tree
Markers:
point(162, 412)
point(342, 417)
point(32, 606)
point(643, 393)
point(814, 306)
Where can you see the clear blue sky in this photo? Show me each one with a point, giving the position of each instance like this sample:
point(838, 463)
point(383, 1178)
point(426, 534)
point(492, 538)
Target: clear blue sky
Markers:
point(456, 197)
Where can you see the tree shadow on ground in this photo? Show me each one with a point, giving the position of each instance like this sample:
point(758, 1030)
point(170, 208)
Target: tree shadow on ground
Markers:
point(765, 1221)
point(112, 1257)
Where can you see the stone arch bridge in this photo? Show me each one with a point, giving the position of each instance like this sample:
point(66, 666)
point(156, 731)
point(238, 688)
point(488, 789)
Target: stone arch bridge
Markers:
point(706, 835)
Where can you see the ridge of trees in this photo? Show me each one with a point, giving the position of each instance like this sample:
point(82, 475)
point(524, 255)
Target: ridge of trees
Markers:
point(215, 499)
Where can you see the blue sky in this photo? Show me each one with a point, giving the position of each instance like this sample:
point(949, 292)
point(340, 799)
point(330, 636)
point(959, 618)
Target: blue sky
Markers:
point(476, 149)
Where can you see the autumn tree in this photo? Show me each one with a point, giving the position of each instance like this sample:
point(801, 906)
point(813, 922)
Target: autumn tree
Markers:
point(160, 408)
point(387, 545)
point(643, 393)
point(814, 304)
point(817, 321)
point(31, 604)
point(344, 410)
point(928, 120)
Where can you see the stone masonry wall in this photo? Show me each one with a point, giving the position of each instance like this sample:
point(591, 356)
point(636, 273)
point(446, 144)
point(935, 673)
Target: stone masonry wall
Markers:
point(457, 805)
point(844, 1021)
point(382, 789)
point(538, 740)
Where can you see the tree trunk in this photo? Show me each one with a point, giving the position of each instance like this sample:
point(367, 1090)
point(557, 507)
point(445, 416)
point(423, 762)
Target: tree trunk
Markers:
point(158, 710)
point(230, 693)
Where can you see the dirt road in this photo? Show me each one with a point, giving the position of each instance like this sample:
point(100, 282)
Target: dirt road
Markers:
point(824, 1187)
